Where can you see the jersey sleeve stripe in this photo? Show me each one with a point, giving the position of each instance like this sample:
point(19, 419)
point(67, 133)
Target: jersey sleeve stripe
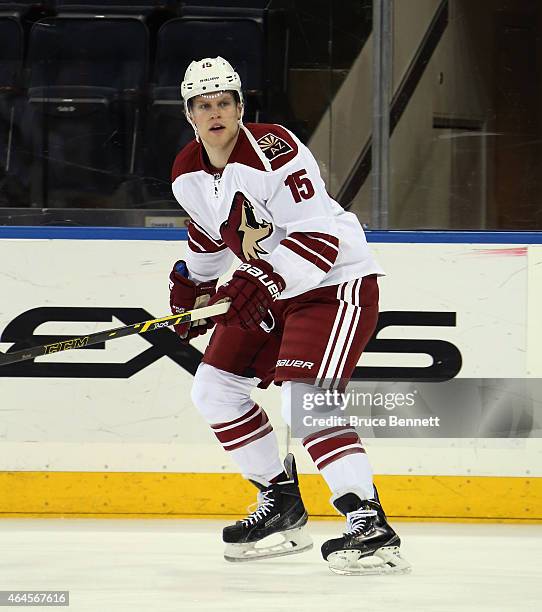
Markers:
point(317, 245)
point(302, 252)
point(200, 242)
point(321, 249)
point(194, 246)
point(331, 241)
point(314, 253)
point(201, 230)
point(324, 244)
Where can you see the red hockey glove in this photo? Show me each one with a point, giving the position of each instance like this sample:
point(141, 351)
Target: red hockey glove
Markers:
point(185, 295)
point(253, 288)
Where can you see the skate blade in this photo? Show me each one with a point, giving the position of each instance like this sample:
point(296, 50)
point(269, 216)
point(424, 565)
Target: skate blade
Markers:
point(294, 541)
point(386, 560)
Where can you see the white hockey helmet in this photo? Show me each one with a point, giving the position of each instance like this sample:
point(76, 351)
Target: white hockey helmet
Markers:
point(208, 76)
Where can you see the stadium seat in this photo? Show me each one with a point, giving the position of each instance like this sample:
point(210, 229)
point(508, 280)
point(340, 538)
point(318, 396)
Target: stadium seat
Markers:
point(239, 40)
point(241, 4)
point(31, 10)
point(246, 9)
point(272, 40)
point(13, 186)
point(14, 8)
point(115, 7)
point(182, 40)
point(154, 13)
point(87, 77)
point(166, 132)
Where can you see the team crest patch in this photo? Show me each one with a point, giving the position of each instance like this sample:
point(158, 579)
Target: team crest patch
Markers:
point(273, 146)
point(243, 231)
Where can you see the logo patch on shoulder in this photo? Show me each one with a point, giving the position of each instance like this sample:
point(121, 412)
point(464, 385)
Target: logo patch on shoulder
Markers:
point(273, 146)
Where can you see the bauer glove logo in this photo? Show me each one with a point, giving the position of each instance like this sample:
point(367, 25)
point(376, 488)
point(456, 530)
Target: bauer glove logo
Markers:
point(263, 278)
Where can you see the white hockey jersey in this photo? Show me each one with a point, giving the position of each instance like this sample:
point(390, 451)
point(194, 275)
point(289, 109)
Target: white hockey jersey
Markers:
point(269, 202)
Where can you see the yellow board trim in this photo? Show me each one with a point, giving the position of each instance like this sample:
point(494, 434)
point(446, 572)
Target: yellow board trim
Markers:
point(156, 495)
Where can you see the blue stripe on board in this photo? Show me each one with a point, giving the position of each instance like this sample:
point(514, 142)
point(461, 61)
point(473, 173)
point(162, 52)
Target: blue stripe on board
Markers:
point(167, 233)
point(94, 233)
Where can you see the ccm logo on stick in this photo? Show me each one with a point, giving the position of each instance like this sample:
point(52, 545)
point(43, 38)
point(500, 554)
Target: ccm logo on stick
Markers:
point(66, 344)
point(262, 277)
point(295, 363)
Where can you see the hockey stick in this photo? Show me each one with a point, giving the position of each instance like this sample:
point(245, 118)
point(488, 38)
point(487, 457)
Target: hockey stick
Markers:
point(112, 334)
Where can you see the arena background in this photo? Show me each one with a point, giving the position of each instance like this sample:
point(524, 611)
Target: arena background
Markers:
point(430, 134)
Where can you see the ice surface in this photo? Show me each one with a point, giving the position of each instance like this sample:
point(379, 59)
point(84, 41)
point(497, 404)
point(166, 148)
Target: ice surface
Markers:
point(163, 565)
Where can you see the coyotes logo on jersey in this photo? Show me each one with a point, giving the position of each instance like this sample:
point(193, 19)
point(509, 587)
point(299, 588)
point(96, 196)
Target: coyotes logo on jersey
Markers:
point(242, 231)
point(273, 146)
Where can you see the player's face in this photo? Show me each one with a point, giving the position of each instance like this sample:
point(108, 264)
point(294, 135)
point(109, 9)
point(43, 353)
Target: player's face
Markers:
point(217, 118)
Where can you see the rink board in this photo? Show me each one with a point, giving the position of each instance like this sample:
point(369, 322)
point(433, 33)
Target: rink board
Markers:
point(151, 494)
point(113, 431)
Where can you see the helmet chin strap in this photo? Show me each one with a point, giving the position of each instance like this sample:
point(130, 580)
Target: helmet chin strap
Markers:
point(189, 118)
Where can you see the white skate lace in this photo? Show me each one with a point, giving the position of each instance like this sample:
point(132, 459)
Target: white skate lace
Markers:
point(356, 521)
point(265, 505)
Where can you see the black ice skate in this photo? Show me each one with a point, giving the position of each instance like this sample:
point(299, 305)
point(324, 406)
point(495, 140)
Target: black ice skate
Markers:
point(369, 545)
point(280, 511)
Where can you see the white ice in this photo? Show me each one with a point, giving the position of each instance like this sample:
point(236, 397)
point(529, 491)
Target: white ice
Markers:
point(177, 565)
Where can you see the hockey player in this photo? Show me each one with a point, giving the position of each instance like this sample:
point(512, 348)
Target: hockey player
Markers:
point(304, 303)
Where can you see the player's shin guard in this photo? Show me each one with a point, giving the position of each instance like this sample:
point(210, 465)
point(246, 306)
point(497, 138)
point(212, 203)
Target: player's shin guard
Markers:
point(252, 444)
point(280, 513)
point(369, 545)
point(339, 455)
point(241, 426)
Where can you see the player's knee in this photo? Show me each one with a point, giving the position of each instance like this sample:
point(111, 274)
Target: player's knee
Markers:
point(200, 389)
point(207, 389)
point(220, 396)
